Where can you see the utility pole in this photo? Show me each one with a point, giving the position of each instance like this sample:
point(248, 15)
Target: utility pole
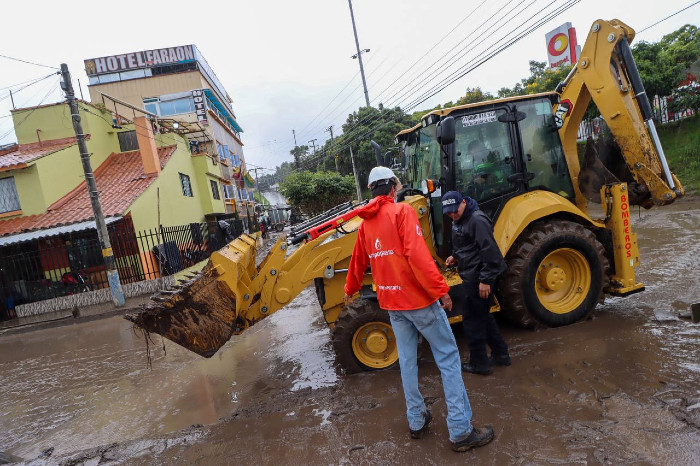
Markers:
point(359, 53)
point(330, 129)
point(295, 138)
point(107, 253)
point(313, 143)
point(354, 172)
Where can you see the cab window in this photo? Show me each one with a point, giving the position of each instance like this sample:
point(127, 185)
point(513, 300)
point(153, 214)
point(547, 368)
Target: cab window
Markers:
point(542, 150)
point(428, 156)
point(484, 158)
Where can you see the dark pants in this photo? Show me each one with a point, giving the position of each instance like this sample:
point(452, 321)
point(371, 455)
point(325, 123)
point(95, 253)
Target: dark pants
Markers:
point(480, 327)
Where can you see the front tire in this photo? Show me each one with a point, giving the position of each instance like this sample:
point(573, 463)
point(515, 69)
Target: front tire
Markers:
point(363, 339)
point(557, 271)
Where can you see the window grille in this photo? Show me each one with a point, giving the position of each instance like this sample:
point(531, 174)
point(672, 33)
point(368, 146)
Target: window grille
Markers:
point(186, 185)
point(9, 199)
point(215, 189)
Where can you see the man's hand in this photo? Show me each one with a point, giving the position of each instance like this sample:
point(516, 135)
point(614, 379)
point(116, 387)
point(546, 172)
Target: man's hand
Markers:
point(347, 299)
point(484, 290)
point(446, 302)
point(450, 261)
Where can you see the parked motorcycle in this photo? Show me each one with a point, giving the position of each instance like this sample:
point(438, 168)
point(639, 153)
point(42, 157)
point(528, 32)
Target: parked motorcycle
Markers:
point(75, 282)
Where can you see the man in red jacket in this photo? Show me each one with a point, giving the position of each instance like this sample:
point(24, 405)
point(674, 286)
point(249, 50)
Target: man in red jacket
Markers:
point(409, 286)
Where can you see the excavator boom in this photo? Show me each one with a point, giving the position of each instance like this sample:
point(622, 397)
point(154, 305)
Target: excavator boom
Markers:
point(607, 74)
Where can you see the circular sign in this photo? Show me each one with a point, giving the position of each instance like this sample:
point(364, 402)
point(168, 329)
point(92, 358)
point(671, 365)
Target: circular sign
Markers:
point(558, 44)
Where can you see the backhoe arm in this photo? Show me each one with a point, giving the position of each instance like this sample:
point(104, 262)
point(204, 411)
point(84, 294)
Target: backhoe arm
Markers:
point(231, 293)
point(607, 73)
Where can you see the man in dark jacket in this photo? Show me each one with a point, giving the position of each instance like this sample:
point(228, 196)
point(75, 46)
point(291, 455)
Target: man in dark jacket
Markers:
point(479, 262)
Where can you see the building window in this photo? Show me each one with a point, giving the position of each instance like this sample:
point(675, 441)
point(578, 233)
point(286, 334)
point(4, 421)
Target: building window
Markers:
point(169, 107)
point(215, 189)
point(128, 141)
point(9, 199)
point(186, 186)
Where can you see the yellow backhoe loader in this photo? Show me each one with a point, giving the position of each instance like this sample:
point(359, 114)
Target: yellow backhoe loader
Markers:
point(518, 158)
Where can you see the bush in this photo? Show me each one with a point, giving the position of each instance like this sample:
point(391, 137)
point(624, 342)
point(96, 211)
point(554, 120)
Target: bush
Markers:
point(313, 193)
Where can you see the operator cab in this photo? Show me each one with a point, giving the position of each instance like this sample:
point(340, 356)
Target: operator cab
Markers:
point(490, 151)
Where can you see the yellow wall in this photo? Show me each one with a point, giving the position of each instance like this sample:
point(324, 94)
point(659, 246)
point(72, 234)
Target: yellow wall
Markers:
point(59, 172)
point(31, 196)
point(176, 208)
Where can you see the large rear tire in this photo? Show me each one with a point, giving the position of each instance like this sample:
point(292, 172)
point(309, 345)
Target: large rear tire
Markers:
point(557, 271)
point(363, 339)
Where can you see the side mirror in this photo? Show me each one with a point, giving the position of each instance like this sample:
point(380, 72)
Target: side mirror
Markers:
point(445, 131)
point(428, 186)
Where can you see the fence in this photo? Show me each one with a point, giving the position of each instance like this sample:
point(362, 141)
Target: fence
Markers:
point(54, 267)
point(661, 107)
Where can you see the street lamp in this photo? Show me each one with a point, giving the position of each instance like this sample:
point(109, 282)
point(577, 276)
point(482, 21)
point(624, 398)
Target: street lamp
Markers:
point(361, 51)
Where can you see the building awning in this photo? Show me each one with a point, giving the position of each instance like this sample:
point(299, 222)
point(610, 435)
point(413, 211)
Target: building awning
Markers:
point(223, 110)
point(55, 231)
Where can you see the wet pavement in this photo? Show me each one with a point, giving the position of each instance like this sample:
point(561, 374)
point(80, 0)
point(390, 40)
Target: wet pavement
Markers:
point(622, 388)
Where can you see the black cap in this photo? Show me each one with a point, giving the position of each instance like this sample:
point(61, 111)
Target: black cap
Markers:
point(451, 201)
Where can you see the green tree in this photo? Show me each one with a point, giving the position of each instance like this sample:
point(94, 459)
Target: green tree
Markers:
point(474, 95)
point(313, 193)
point(299, 153)
point(541, 79)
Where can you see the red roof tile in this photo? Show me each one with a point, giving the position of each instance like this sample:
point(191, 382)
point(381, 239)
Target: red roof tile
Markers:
point(19, 155)
point(120, 180)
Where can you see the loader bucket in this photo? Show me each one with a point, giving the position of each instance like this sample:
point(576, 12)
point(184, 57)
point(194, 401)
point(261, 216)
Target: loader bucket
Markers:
point(604, 164)
point(201, 313)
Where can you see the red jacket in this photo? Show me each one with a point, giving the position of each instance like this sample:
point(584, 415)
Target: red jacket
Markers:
point(390, 239)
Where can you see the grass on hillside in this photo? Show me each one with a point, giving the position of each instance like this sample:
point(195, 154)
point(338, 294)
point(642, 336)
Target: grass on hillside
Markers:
point(681, 143)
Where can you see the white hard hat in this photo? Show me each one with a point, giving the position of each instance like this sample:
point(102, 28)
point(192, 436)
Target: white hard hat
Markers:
point(380, 174)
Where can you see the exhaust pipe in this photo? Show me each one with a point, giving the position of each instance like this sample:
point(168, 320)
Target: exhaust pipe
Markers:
point(378, 151)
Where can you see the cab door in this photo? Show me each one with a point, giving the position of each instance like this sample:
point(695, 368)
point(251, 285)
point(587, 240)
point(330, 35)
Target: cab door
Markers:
point(486, 165)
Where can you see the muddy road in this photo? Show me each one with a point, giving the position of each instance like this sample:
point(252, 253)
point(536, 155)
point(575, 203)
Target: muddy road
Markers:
point(621, 388)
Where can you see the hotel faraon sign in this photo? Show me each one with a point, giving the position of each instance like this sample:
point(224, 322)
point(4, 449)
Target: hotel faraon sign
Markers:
point(136, 60)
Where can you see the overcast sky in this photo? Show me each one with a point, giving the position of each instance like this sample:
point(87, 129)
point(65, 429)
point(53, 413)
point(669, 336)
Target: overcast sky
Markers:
point(287, 64)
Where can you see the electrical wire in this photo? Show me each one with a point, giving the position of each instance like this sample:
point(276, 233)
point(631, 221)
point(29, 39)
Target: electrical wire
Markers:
point(35, 81)
point(25, 82)
point(667, 17)
point(53, 88)
point(448, 62)
point(412, 67)
point(434, 90)
point(29, 62)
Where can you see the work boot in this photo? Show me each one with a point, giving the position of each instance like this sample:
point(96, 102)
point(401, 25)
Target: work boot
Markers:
point(476, 438)
point(416, 434)
point(499, 360)
point(474, 369)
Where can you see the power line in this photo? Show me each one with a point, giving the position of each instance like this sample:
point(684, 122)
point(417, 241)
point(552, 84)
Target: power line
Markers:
point(398, 97)
point(527, 30)
point(667, 17)
point(28, 62)
point(27, 81)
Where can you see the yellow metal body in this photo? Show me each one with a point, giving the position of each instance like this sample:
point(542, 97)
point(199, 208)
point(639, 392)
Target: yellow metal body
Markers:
point(521, 211)
point(564, 276)
point(625, 250)
point(278, 279)
point(599, 76)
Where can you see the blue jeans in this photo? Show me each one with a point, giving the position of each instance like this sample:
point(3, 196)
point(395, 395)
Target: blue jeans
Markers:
point(432, 323)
